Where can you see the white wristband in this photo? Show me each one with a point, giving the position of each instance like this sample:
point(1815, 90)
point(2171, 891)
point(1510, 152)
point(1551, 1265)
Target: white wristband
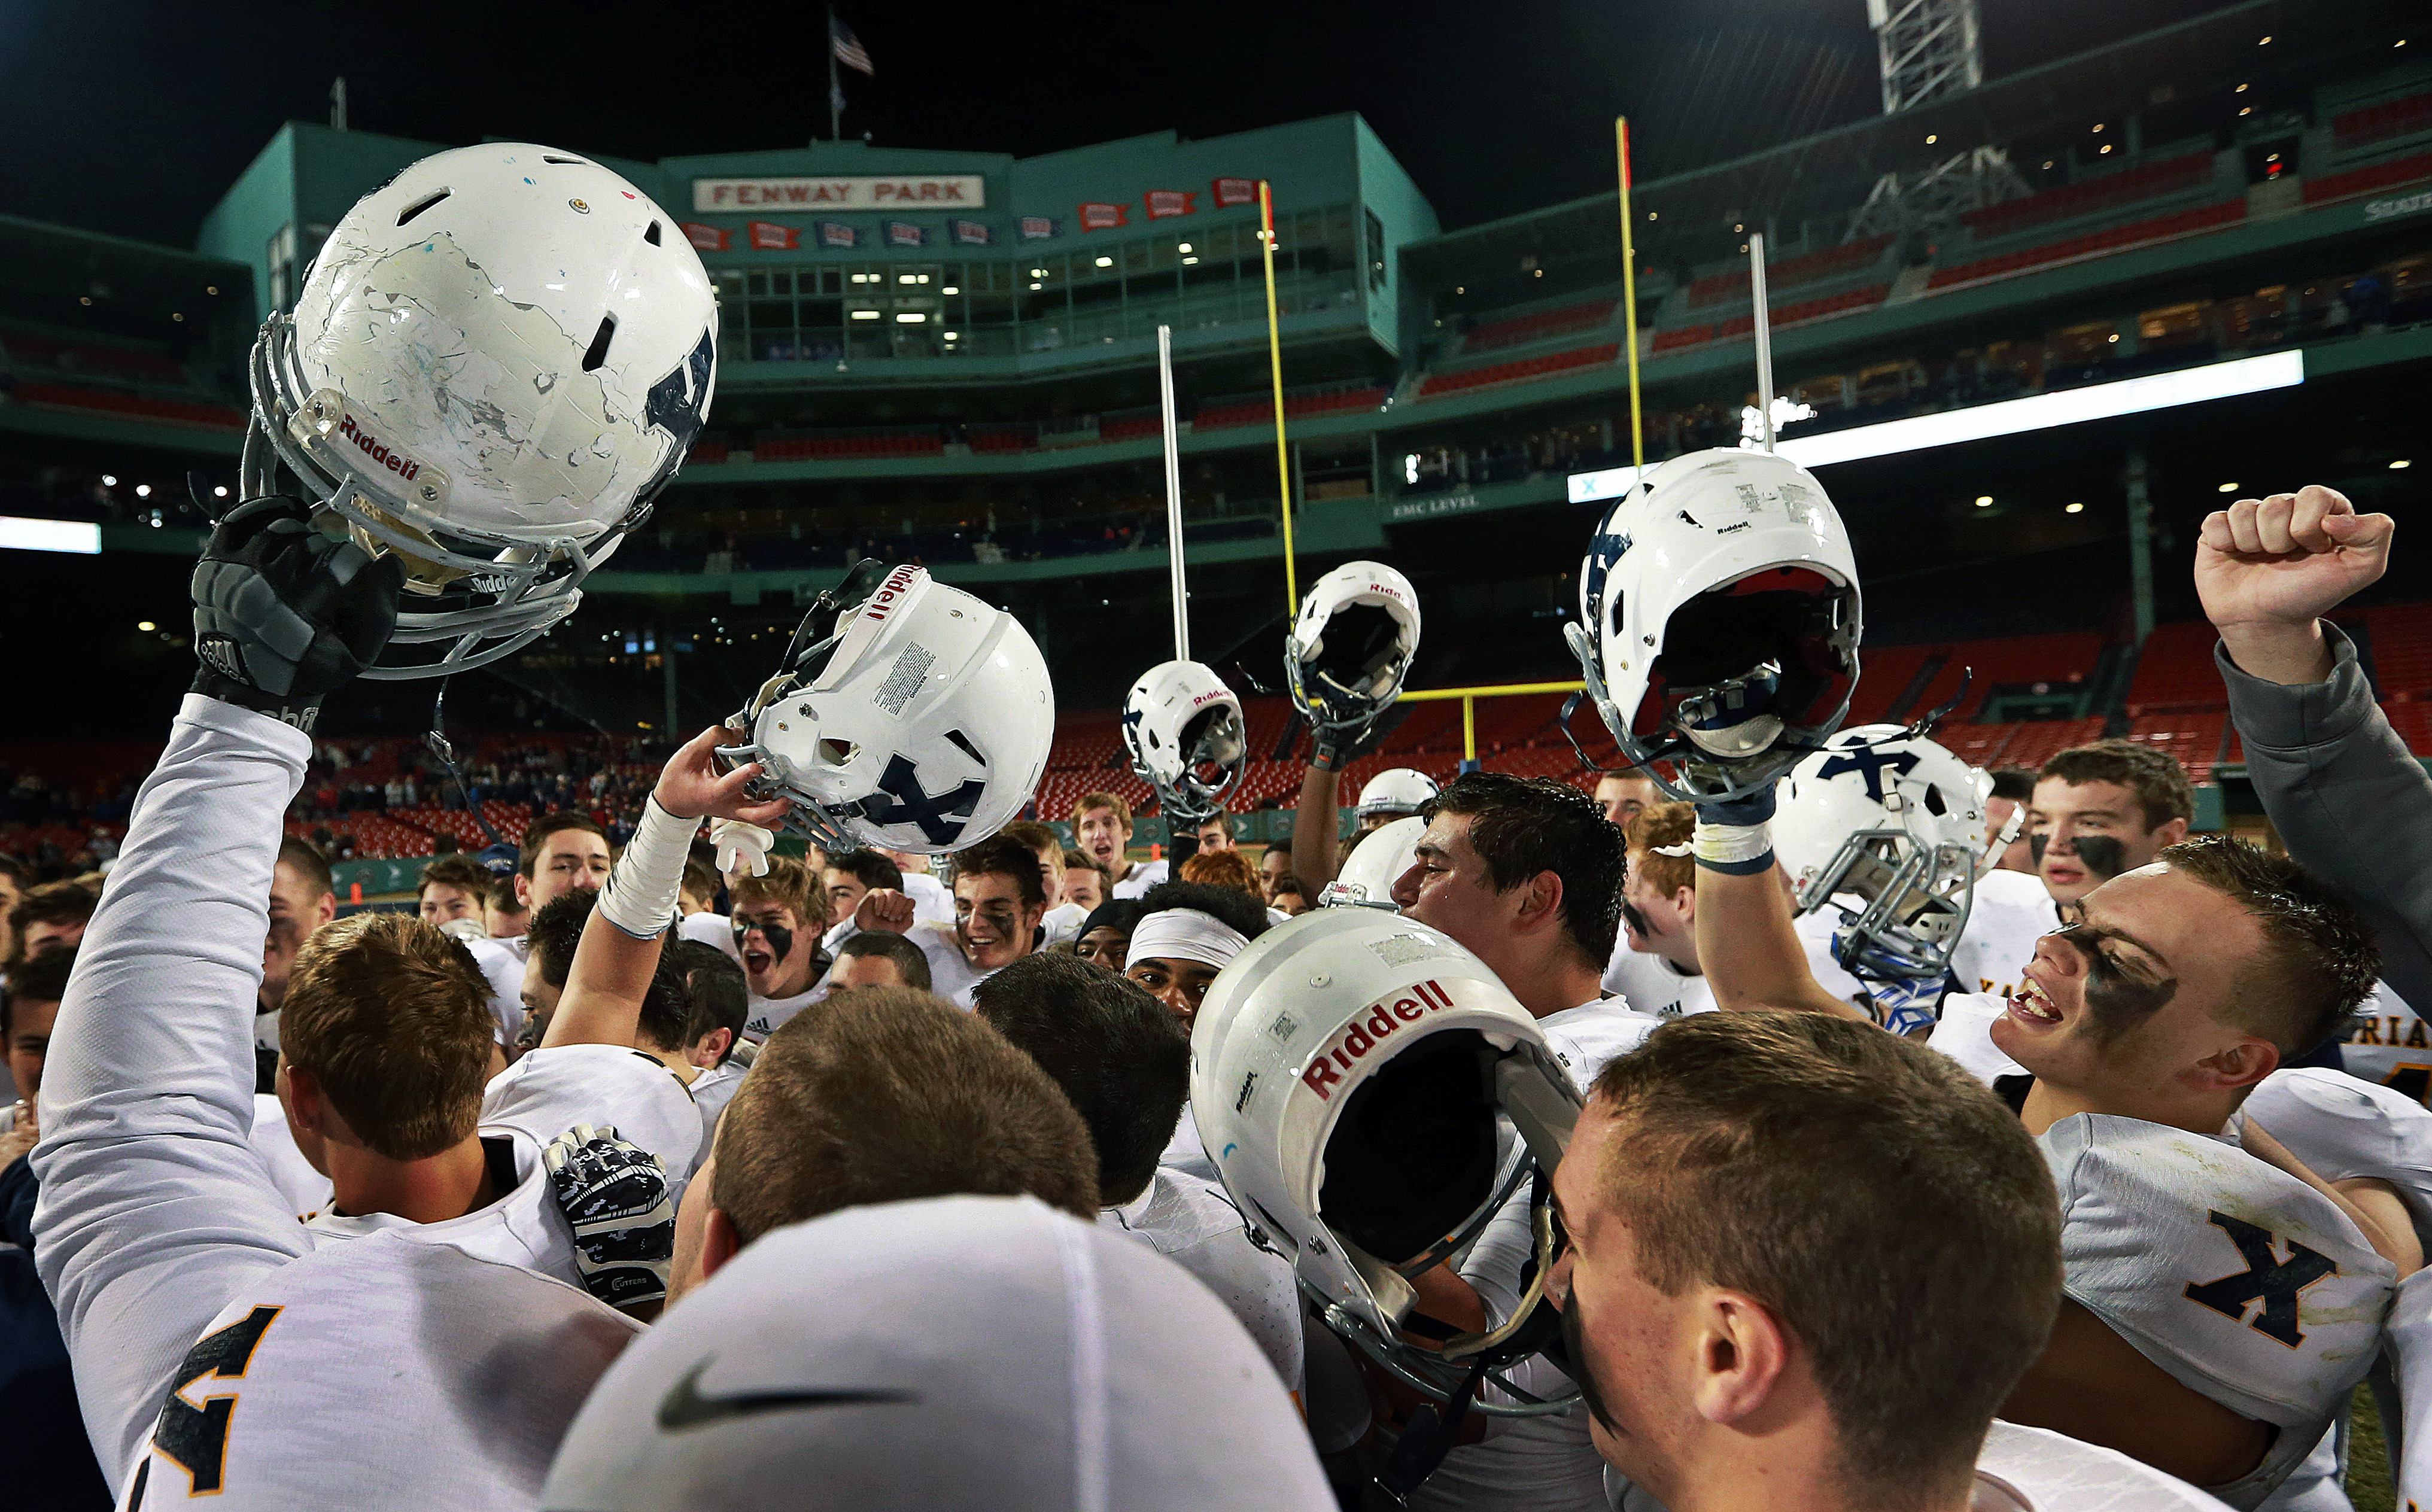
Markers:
point(1734, 847)
point(640, 897)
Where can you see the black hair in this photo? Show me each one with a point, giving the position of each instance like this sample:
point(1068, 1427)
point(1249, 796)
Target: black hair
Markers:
point(911, 962)
point(871, 868)
point(1235, 909)
point(1119, 1055)
point(1521, 827)
point(555, 929)
point(717, 994)
point(1003, 856)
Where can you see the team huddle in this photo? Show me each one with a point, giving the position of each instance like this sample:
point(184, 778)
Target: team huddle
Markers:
point(1807, 1118)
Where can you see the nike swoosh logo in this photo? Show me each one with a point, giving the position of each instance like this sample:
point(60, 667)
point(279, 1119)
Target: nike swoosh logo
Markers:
point(683, 1406)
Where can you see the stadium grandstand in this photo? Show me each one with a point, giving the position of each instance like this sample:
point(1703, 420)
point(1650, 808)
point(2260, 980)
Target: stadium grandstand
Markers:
point(950, 358)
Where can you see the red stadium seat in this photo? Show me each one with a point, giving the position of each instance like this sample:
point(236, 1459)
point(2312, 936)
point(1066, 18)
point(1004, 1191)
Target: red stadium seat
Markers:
point(2204, 218)
point(2379, 123)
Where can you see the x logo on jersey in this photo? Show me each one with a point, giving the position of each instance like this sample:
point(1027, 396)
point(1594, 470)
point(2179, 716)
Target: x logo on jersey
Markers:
point(2276, 1283)
point(912, 804)
point(1871, 761)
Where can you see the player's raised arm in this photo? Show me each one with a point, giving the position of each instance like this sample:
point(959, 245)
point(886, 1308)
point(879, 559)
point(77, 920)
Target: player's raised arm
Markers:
point(1750, 957)
point(621, 945)
point(155, 1206)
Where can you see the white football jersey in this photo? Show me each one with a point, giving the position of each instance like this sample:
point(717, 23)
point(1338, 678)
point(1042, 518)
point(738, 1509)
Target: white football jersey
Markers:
point(712, 1090)
point(502, 966)
point(2011, 912)
point(2035, 1469)
point(2408, 1339)
point(2341, 1127)
point(1143, 877)
point(306, 1189)
point(931, 902)
point(1184, 1153)
point(1062, 922)
point(712, 930)
point(2391, 1044)
point(385, 1375)
point(1190, 1221)
point(761, 1015)
point(1964, 1032)
point(526, 1106)
point(2242, 1282)
point(1649, 984)
point(1534, 1464)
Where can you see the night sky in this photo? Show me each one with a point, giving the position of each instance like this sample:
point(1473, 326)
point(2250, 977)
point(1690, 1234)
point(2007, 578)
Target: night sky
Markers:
point(132, 118)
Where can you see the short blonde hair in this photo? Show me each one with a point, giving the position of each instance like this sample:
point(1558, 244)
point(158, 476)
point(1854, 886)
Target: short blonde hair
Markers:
point(393, 1019)
point(787, 881)
point(1102, 801)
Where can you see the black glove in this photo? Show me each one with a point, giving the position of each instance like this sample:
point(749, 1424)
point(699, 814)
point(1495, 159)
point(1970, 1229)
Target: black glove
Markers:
point(284, 614)
point(614, 1197)
point(1334, 749)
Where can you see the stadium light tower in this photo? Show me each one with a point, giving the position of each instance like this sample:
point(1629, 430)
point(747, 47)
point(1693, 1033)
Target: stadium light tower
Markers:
point(1930, 50)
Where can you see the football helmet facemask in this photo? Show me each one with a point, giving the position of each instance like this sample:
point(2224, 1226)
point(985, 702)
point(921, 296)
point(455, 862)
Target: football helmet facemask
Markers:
point(1887, 828)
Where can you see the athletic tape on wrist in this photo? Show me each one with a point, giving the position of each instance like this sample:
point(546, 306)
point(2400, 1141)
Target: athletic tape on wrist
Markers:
point(640, 897)
point(1736, 850)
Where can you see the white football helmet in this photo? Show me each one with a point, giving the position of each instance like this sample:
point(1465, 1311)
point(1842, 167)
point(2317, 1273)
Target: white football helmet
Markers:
point(1351, 644)
point(1357, 1079)
point(1886, 827)
point(1375, 865)
point(909, 717)
point(1719, 621)
point(1183, 727)
point(499, 358)
point(1396, 790)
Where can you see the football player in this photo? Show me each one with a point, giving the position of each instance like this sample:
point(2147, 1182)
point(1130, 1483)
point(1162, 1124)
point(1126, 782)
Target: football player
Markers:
point(2185, 1341)
point(999, 901)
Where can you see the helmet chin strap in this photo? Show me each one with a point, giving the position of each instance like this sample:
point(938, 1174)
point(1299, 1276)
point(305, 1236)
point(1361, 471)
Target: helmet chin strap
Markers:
point(1534, 1326)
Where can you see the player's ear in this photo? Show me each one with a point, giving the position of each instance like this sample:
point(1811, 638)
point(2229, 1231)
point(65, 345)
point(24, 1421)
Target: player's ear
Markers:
point(2171, 832)
point(301, 1092)
point(523, 891)
point(2244, 1063)
point(1742, 1352)
point(720, 1243)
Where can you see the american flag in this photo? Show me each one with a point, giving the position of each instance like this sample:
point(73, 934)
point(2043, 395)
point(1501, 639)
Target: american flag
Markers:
point(849, 50)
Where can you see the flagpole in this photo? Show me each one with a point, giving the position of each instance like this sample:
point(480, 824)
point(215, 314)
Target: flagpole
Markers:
point(1276, 367)
point(1172, 491)
point(1763, 336)
point(835, 89)
point(1629, 293)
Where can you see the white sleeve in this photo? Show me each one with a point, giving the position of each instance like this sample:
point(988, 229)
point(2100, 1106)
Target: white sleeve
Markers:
point(712, 930)
point(155, 1208)
point(504, 971)
point(550, 1090)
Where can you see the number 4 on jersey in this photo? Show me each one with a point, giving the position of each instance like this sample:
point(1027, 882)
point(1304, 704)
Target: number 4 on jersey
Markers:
point(195, 1437)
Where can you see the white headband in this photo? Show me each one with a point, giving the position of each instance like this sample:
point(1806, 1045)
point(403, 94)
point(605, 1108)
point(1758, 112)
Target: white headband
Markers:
point(1185, 934)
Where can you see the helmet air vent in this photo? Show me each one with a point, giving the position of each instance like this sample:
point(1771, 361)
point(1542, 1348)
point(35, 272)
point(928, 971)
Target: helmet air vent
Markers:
point(652, 235)
point(598, 352)
point(417, 207)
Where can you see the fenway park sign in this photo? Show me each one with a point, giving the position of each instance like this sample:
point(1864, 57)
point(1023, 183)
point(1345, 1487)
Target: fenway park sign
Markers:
point(906, 192)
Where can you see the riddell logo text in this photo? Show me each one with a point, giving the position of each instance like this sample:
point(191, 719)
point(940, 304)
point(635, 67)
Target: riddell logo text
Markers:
point(1378, 1023)
point(1207, 697)
point(371, 445)
point(882, 603)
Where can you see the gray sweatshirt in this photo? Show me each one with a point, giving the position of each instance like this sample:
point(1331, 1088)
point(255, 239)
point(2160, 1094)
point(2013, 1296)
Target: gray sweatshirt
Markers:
point(2349, 800)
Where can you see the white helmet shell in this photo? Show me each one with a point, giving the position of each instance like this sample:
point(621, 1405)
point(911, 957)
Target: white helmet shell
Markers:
point(1184, 730)
point(1893, 825)
point(498, 358)
point(1355, 1076)
point(920, 722)
point(1351, 644)
point(1376, 863)
point(1396, 790)
point(1719, 620)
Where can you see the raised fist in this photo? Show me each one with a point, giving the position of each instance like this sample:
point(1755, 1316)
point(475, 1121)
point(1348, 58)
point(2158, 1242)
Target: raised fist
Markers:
point(284, 614)
point(883, 907)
